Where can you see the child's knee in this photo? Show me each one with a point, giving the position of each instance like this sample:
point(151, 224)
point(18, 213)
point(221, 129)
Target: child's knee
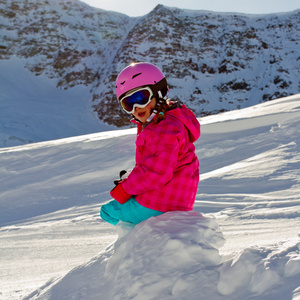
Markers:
point(105, 215)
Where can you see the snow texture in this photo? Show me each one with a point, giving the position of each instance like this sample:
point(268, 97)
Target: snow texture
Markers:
point(241, 241)
point(175, 256)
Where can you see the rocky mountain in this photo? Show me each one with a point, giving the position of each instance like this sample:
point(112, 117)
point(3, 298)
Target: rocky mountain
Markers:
point(213, 61)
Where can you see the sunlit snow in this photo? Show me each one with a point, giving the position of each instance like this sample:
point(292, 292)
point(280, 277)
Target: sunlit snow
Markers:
point(55, 246)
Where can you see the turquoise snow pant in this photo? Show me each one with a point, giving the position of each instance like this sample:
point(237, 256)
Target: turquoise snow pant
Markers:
point(131, 211)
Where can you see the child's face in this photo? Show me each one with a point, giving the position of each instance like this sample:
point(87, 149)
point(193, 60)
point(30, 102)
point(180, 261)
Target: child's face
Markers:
point(142, 114)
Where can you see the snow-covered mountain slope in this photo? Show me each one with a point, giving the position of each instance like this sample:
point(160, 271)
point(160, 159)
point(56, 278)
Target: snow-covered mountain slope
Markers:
point(213, 61)
point(54, 245)
point(32, 109)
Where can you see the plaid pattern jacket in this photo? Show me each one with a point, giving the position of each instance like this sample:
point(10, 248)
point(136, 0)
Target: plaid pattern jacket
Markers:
point(166, 174)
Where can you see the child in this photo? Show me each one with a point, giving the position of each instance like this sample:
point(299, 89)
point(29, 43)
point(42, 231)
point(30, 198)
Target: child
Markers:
point(166, 174)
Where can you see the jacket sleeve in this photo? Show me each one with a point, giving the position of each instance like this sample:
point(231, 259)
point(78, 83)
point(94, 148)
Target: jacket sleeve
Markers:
point(158, 162)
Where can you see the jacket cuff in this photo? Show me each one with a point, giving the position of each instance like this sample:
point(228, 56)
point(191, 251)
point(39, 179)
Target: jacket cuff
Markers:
point(119, 194)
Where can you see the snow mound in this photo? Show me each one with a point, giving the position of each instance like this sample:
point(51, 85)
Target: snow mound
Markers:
point(154, 260)
point(176, 256)
point(259, 270)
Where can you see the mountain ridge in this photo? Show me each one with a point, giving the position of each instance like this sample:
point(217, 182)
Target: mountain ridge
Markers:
point(213, 61)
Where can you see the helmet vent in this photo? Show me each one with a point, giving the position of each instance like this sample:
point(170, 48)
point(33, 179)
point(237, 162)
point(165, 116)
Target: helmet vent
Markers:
point(136, 75)
point(123, 82)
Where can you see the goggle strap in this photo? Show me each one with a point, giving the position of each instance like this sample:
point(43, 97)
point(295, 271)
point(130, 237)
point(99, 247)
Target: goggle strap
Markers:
point(159, 103)
point(154, 112)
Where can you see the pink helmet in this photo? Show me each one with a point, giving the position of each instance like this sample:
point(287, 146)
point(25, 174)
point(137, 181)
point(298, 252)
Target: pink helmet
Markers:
point(140, 74)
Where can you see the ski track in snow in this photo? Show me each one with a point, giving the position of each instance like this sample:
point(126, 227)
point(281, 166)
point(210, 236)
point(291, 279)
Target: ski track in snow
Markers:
point(54, 245)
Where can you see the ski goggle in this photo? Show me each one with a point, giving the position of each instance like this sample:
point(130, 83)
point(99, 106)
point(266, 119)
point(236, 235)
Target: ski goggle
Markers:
point(138, 98)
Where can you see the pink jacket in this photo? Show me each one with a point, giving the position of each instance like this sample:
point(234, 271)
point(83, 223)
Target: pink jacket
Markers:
point(166, 174)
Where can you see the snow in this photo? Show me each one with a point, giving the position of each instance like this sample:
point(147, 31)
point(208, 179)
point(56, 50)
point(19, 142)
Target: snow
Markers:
point(32, 109)
point(213, 61)
point(241, 241)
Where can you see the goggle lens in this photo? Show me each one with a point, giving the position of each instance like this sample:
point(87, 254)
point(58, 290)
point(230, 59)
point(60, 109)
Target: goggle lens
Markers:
point(139, 98)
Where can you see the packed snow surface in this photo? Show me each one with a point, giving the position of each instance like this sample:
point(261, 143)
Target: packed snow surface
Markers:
point(241, 241)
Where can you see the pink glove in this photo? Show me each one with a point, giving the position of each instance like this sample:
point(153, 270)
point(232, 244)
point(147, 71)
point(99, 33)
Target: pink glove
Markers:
point(119, 194)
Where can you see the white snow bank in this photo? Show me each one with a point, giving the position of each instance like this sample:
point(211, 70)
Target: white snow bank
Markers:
point(155, 260)
point(259, 270)
point(51, 194)
point(176, 256)
point(267, 110)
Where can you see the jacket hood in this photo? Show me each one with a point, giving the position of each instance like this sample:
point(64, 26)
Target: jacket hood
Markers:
point(188, 118)
point(183, 114)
